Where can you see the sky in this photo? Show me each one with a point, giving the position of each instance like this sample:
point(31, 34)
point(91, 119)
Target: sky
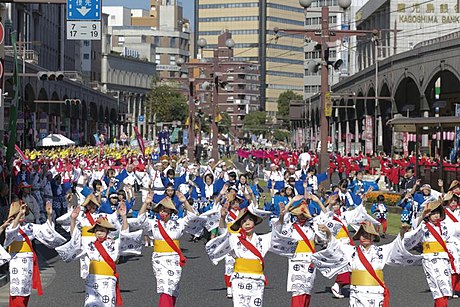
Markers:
point(188, 5)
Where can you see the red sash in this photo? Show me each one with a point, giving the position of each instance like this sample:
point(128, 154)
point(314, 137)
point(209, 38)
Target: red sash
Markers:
point(441, 242)
point(304, 237)
point(452, 217)
point(113, 266)
point(352, 243)
point(232, 215)
point(167, 238)
point(90, 218)
point(252, 249)
point(370, 270)
point(36, 281)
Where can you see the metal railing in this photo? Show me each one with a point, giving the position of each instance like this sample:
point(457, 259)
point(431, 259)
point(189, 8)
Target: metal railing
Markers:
point(30, 56)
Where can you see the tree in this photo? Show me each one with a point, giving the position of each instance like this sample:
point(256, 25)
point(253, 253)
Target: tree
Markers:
point(281, 135)
point(284, 100)
point(168, 103)
point(225, 123)
point(255, 122)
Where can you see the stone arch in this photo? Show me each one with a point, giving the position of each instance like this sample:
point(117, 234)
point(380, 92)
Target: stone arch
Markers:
point(450, 85)
point(385, 109)
point(84, 110)
point(101, 114)
point(93, 113)
point(370, 102)
point(407, 96)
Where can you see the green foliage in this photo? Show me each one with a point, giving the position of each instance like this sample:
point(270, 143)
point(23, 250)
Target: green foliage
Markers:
point(168, 103)
point(283, 105)
point(281, 135)
point(254, 122)
point(225, 123)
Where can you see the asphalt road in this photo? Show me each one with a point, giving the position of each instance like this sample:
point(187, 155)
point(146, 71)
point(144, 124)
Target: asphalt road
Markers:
point(203, 285)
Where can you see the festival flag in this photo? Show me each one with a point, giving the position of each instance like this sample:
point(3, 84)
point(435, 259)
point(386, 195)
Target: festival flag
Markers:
point(14, 106)
point(20, 152)
point(140, 141)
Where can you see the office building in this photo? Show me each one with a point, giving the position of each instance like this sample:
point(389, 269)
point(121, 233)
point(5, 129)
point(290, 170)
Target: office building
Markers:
point(251, 23)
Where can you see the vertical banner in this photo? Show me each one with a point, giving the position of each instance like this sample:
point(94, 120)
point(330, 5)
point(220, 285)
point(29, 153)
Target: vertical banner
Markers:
point(369, 134)
point(457, 130)
point(405, 143)
point(185, 136)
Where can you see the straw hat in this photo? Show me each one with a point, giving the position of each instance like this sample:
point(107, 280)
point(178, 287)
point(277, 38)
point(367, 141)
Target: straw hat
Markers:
point(15, 208)
point(425, 187)
point(301, 209)
point(370, 229)
point(454, 184)
point(241, 215)
point(103, 222)
point(90, 199)
point(436, 205)
point(166, 203)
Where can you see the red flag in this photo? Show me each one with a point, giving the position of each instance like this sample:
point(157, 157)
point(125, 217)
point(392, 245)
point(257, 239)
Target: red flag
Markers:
point(20, 152)
point(140, 140)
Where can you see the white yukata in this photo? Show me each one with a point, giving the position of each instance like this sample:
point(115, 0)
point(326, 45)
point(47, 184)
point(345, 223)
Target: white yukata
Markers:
point(84, 224)
point(453, 243)
point(100, 283)
point(4, 256)
point(301, 272)
point(21, 263)
point(248, 288)
point(435, 261)
point(165, 264)
point(338, 256)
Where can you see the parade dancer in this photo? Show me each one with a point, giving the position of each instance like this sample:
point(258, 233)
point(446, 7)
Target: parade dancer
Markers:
point(102, 283)
point(167, 257)
point(452, 209)
point(248, 249)
point(367, 287)
point(437, 261)
point(24, 270)
point(299, 225)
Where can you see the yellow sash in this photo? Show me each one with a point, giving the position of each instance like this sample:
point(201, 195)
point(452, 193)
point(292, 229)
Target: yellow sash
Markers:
point(432, 247)
point(161, 246)
point(252, 266)
point(19, 247)
point(85, 233)
point(364, 278)
point(302, 247)
point(100, 268)
point(341, 234)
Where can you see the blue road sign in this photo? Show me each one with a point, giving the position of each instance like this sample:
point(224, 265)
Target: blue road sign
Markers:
point(83, 9)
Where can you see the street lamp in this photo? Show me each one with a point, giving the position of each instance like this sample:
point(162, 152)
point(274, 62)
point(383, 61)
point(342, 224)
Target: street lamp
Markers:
point(325, 94)
point(201, 43)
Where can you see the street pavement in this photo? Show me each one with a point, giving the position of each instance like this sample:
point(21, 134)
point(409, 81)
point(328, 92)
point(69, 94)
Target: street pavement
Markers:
point(203, 284)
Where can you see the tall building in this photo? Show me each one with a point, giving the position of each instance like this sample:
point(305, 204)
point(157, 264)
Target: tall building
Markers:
point(344, 50)
point(251, 24)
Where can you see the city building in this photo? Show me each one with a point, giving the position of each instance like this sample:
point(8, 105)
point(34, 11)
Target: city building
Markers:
point(161, 36)
point(252, 23)
point(402, 25)
point(239, 85)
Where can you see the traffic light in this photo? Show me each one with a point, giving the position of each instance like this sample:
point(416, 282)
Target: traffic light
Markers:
point(72, 102)
point(50, 75)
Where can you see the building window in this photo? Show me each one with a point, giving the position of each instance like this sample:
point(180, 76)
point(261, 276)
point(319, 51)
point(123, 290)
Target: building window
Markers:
point(86, 56)
point(158, 59)
point(173, 42)
point(86, 43)
point(172, 60)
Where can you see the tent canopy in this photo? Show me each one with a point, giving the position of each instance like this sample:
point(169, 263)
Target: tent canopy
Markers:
point(405, 124)
point(55, 140)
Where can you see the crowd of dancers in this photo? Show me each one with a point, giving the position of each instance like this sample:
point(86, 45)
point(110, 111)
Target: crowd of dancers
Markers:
point(93, 199)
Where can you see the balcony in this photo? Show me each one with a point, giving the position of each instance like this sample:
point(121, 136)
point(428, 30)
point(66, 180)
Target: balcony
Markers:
point(30, 56)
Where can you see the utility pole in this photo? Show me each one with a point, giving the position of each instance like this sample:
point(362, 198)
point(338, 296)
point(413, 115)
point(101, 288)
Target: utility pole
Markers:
point(324, 37)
